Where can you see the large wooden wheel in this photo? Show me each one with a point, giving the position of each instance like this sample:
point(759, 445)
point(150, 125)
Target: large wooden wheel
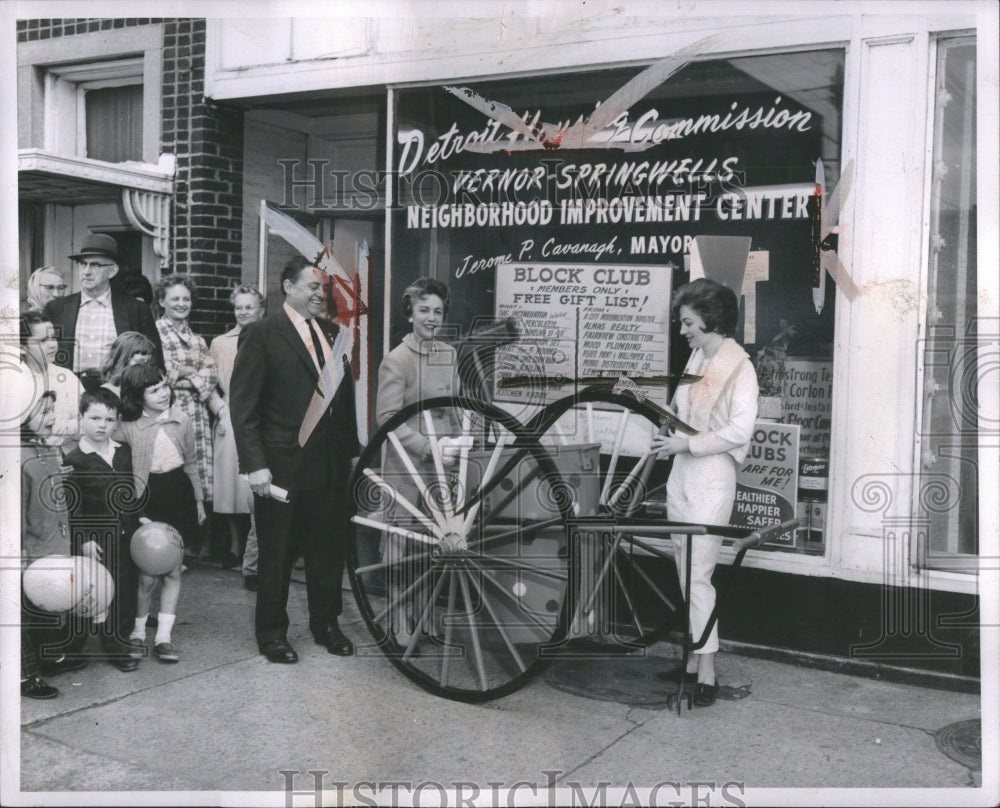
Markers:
point(461, 564)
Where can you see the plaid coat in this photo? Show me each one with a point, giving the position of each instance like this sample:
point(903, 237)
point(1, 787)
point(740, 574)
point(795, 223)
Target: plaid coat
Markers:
point(181, 347)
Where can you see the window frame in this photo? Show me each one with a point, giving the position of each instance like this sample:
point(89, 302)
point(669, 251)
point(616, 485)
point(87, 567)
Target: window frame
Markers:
point(922, 555)
point(66, 88)
point(94, 51)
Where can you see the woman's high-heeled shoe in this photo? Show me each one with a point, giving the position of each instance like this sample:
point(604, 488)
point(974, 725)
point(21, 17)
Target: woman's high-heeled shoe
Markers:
point(704, 695)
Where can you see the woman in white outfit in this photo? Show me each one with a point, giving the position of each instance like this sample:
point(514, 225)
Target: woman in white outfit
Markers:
point(722, 406)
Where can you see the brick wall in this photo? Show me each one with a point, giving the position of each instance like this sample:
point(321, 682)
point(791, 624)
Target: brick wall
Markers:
point(207, 141)
point(32, 30)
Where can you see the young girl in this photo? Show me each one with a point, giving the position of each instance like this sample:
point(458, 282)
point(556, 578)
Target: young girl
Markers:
point(39, 348)
point(129, 348)
point(164, 464)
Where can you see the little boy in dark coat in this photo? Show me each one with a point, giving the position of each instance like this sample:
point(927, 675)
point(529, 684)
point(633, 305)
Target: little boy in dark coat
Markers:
point(104, 515)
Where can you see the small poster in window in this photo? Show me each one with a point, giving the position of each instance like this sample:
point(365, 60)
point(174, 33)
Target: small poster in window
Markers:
point(767, 485)
point(806, 393)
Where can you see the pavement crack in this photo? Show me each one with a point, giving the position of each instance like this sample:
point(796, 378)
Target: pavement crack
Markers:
point(841, 714)
point(636, 725)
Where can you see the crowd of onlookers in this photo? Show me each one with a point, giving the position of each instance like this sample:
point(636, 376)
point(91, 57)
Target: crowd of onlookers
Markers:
point(127, 423)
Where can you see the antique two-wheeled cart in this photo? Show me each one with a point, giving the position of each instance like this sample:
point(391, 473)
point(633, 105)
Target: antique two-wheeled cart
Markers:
point(476, 566)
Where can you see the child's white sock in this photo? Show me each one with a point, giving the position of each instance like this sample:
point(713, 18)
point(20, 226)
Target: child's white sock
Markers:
point(164, 623)
point(139, 632)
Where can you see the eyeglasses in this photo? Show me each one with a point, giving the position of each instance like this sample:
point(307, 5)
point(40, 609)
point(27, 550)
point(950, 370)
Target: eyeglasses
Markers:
point(48, 287)
point(93, 265)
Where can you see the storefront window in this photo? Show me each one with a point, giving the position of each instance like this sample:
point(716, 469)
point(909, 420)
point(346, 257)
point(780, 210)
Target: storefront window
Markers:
point(577, 203)
point(949, 352)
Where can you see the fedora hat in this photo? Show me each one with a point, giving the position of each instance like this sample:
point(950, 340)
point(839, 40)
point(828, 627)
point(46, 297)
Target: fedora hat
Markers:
point(97, 244)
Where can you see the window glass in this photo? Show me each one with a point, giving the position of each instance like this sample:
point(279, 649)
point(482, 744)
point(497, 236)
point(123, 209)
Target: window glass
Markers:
point(114, 123)
point(625, 184)
point(950, 372)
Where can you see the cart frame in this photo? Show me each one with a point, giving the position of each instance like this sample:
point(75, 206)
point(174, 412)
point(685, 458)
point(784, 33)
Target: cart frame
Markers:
point(467, 569)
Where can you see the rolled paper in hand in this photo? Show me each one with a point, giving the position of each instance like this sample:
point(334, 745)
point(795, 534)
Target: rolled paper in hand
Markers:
point(275, 491)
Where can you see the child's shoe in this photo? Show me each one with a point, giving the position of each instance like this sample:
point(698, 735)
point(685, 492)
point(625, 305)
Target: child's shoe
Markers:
point(37, 688)
point(63, 664)
point(136, 647)
point(165, 652)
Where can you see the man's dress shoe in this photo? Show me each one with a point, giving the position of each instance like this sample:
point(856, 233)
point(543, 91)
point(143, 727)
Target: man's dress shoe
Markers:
point(335, 641)
point(279, 651)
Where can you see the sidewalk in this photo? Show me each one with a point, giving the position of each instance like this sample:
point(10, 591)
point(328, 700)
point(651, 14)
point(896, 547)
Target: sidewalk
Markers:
point(226, 720)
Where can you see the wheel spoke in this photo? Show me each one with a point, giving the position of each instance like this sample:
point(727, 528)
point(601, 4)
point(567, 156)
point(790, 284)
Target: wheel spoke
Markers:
point(387, 564)
point(473, 630)
point(442, 478)
point(409, 506)
point(422, 623)
point(619, 437)
point(599, 581)
point(628, 599)
point(503, 562)
point(520, 532)
point(463, 459)
point(400, 597)
point(498, 624)
point(470, 517)
point(418, 480)
point(639, 466)
point(523, 481)
point(448, 627)
point(539, 624)
point(394, 529)
point(494, 478)
point(650, 583)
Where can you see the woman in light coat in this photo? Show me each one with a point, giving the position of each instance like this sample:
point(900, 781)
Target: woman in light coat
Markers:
point(419, 368)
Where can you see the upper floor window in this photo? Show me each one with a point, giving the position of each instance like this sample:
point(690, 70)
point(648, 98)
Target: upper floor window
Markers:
point(95, 110)
point(114, 123)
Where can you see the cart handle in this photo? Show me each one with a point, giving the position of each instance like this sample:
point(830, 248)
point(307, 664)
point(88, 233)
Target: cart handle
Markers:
point(625, 525)
point(759, 537)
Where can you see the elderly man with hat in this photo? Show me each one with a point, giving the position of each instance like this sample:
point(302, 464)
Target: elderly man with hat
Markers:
point(88, 322)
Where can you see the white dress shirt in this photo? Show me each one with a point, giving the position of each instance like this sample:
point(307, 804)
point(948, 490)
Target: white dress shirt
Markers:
point(302, 326)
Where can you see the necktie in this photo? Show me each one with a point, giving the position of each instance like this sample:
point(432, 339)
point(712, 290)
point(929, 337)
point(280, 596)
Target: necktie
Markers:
point(317, 343)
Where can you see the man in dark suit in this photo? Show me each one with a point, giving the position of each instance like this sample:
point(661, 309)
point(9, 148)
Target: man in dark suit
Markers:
point(278, 369)
point(88, 322)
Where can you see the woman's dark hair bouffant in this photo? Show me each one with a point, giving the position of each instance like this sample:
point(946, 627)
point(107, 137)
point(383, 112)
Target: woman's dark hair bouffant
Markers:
point(421, 288)
point(135, 380)
point(714, 303)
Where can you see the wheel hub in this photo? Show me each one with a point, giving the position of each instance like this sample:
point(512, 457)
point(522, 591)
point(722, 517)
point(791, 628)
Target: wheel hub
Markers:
point(452, 544)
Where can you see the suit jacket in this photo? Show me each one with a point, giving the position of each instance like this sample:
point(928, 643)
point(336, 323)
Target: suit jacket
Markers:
point(130, 314)
point(273, 381)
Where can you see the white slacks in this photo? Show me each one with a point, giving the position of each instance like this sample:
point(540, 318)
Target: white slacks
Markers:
point(701, 490)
